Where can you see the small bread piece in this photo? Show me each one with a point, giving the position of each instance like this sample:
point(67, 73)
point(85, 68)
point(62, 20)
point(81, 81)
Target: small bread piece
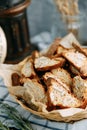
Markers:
point(60, 50)
point(28, 69)
point(45, 63)
point(35, 54)
point(60, 44)
point(58, 96)
point(63, 75)
point(15, 79)
point(80, 87)
point(79, 48)
point(36, 90)
point(27, 98)
point(85, 50)
point(68, 40)
point(78, 60)
point(52, 49)
point(48, 75)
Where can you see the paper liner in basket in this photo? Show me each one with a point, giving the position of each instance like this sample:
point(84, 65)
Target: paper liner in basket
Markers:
point(66, 115)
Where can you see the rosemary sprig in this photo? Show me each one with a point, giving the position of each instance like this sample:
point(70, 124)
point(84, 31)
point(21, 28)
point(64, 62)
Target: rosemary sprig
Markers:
point(13, 114)
point(3, 127)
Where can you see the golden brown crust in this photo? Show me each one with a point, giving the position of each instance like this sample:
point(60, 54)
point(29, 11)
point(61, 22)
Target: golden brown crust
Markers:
point(79, 87)
point(80, 49)
point(15, 79)
point(59, 96)
point(63, 75)
point(46, 63)
point(78, 60)
point(48, 75)
point(28, 69)
point(53, 48)
point(35, 54)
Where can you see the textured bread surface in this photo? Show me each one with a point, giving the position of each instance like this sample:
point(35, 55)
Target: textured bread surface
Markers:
point(28, 70)
point(78, 60)
point(48, 75)
point(45, 63)
point(80, 87)
point(59, 96)
point(63, 75)
point(68, 40)
point(36, 90)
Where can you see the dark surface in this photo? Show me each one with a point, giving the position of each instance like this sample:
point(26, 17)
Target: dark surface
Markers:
point(16, 30)
point(5, 4)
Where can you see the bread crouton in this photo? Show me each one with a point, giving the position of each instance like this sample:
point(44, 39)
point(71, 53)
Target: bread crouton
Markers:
point(63, 75)
point(68, 40)
point(28, 69)
point(59, 96)
point(79, 48)
point(45, 63)
point(35, 54)
point(80, 87)
point(52, 49)
point(36, 90)
point(78, 60)
point(60, 50)
point(48, 75)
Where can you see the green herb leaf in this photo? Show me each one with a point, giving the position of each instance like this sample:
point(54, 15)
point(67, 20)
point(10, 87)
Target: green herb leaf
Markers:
point(13, 115)
point(3, 127)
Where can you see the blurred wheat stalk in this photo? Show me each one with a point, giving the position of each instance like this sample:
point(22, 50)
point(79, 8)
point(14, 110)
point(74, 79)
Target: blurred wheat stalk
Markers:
point(67, 7)
point(69, 10)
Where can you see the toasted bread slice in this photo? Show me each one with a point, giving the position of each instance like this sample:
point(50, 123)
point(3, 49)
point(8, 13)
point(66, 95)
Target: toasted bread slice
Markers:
point(28, 69)
point(85, 50)
point(48, 75)
point(63, 75)
point(28, 98)
point(59, 96)
point(36, 90)
point(80, 87)
point(79, 48)
point(53, 47)
point(45, 63)
point(60, 44)
point(78, 60)
point(68, 40)
point(60, 50)
point(35, 54)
